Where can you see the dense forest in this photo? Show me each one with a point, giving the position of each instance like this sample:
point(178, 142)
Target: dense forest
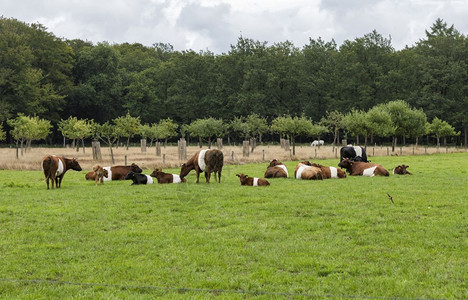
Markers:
point(52, 78)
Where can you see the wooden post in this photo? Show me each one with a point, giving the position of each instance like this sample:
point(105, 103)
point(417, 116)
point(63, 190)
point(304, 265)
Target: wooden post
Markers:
point(344, 142)
point(286, 145)
point(219, 143)
point(232, 156)
point(373, 151)
point(125, 159)
point(182, 149)
point(336, 152)
point(143, 145)
point(413, 149)
point(388, 152)
point(401, 150)
point(315, 152)
point(263, 151)
point(158, 148)
point(245, 149)
point(290, 154)
point(96, 148)
point(425, 149)
point(164, 159)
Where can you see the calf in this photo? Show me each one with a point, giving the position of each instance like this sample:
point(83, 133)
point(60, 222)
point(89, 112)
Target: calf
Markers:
point(401, 170)
point(356, 168)
point(330, 172)
point(55, 167)
point(101, 173)
point(276, 169)
point(252, 181)
point(305, 170)
point(115, 172)
point(138, 178)
point(166, 177)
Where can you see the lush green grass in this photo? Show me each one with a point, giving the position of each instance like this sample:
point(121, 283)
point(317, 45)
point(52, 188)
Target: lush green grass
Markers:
point(332, 237)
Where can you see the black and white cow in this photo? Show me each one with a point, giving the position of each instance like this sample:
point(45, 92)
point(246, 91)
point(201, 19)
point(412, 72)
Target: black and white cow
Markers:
point(356, 153)
point(138, 178)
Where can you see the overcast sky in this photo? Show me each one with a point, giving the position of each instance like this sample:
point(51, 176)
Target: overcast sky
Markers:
point(216, 24)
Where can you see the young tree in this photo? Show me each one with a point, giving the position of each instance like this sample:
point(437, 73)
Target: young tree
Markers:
point(293, 127)
point(380, 122)
point(334, 121)
point(167, 129)
point(440, 128)
point(401, 115)
point(206, 129)
point(108, 134)
point(356, 123)
point(127, 126)
point(75, 129)
point(26, 129)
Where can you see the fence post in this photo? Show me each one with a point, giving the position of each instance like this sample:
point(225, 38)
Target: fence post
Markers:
point(388, 153)
point(182, 149)
point(96, 148)
point(219, 143)
point(263, 151)
point(158, 148)
point(245, 148)
point(125, 159)
point(286, 145)
point(232, 156)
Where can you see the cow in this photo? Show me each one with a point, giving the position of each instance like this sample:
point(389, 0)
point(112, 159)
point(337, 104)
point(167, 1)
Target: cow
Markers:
point(115, 172)
point(101, 173)
point(55, 167)
point(401, 170)
point(139, 178)
point(355, 153)
point(252, 181)
point(166, 177)
point(317, 143)
point(356, 168)
point(330, 172)
point(305, 170)
point(276, 169)
point(207, 161)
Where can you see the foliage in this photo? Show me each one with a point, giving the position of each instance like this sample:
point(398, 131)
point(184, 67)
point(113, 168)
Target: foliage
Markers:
point(440, 128)
point(206, 128)
point(2, 133)
point(27, 129)
point(292, 127)
point(127, 126)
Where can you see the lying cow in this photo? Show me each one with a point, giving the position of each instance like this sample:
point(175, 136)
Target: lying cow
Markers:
point(356, 168)
point(355, 153)
point(305, 170)
point(115, 172)
point(252, 181)
point(330, 172)
point(207, 161)
point(139, 178)
point(276, 169)
point(401, 170)
point(166, 177)
point(316, 143)
point(55, 167)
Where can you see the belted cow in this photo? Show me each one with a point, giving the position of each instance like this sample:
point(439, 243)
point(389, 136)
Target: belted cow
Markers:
point(115, 172)
point(305, 170)
point(207, 161)
point(166, 177)
point(401, 170)
point(356, 153)
point(356, 168)
point(276, 169)
point(330, 172)
point(252, 181)
point(55, 167)
point(139, 178)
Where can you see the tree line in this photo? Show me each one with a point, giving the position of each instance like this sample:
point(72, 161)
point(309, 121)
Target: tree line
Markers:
point(47, 77)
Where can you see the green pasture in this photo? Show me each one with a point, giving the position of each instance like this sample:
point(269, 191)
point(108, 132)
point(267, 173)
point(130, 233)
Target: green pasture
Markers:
point(338, 238)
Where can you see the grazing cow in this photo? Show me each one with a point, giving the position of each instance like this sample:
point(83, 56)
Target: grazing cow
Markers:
point(252, 181)
point(55, 167)
point(276, 169)
point(305, 170)
point(356, 168)
point(317, 143)
point(330, 172)
point(355, 153)
point(115, 172)
point(166, 177)
point(139, 178)
point(101, 173)
point(401, 170)
point(207, 161)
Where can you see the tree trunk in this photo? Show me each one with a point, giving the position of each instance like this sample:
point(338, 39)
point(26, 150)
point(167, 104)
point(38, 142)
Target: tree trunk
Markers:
point(112, 154)
point(394, 143)
point(82, 143)
point(438, 141)
point(128, 142)
point(466, 134)
point(22, 151)
point(357, 139)
point(417, 141)
point(293, 140)
point(445, 141)
point(404, 140)
point(165, 143)
point(64, 142)
point(365, 142)
point(200, 143)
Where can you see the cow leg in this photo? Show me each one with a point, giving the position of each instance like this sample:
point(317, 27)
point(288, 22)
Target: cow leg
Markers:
point(52, 179)
point(198, 175)
point(60, 181)
point(47, 181)
point(219, 176)
point(207, 177)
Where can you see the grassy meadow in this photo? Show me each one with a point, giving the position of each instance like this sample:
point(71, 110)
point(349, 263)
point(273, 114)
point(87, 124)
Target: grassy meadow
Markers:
point(338, 238)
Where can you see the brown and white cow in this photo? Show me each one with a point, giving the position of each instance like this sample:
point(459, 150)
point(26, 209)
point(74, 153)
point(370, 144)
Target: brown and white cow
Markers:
point(101, 173)
point(115, 172)
point(305, 170)
point(55, 167)
point(207, 161)
point(167, 177)
point(330, 172)
point(357, 168)
point(252, 181)
point(276, 169)
point(401, 170)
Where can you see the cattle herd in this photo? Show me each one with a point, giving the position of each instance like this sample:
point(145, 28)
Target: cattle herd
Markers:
point(352, 158)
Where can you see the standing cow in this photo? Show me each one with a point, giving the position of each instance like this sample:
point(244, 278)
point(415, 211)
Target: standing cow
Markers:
point(356, 168)
point(55, 167)
point(356, 153)
point(276, 169)
point(207, 161)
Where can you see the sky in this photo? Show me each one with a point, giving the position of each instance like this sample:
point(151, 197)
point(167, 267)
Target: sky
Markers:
point(215, 25)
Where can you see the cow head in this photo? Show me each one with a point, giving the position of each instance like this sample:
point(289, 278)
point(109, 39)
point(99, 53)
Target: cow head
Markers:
point(130, 175)
point(242, 177)
point(306, 162)
point(345, 163)
point(74, 165)
point(105, 173)
point(157, 172)
point(274, 162)
point(135, 168)
point(184, 170)
point(401, 169)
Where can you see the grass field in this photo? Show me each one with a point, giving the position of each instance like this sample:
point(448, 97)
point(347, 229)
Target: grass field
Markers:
point(333, 238)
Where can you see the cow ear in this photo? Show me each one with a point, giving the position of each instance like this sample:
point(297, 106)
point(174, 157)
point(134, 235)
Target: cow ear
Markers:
point(238, 175)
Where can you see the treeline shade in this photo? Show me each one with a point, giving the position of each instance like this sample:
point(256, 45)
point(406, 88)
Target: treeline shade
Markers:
point(52, 78)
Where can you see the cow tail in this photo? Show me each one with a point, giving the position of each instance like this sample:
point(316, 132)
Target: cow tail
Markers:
point(46, 164)
point(219, 160)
